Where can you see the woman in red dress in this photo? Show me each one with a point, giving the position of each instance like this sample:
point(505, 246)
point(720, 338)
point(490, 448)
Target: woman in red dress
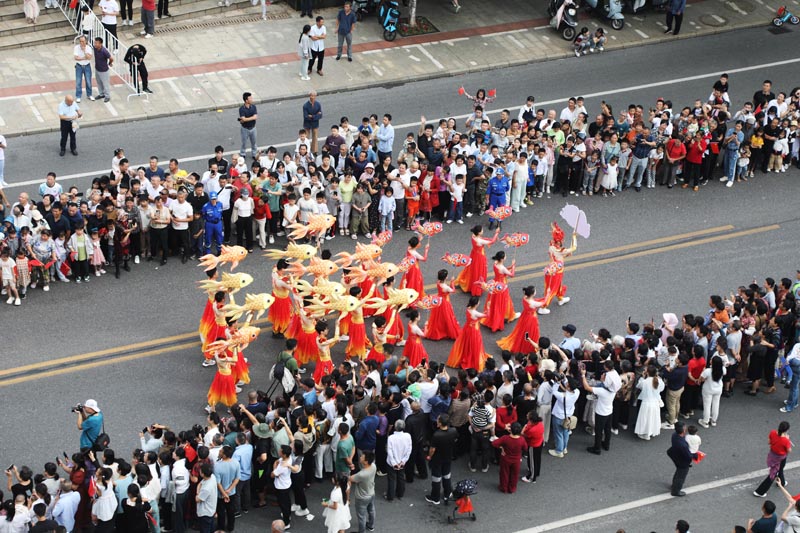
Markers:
point(442, 323)
point(414, 349)
point(470, 278)
point(499, 308)
point(306, 350)
point(280, 312)
point(554, 271)
point(468, 351)
point(212, 323)
point(380, 336)
point(223, 388)
point(358, 343)
point(528, 324)
point(241, 369)
point(324, 364)
point(413, 278)
point(395, 325)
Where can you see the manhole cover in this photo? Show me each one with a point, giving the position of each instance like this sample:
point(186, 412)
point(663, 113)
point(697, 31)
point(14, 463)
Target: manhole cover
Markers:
point(778, 30)
point(742, 7)
point(714, 21)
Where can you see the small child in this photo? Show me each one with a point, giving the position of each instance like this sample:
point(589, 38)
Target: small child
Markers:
point(756, 151)
point(412, 202)
point(322, 209)
point(197, 230)
point(307, 205)
point(9, 277)
point(23, 273)
point(743, 163)
point(624, 164)
point(61, 256)
point(98, 259)
point(655, 157)
point(456, 199)
point(582, 42)
point(780, 148)
point(386, 209)
point(610, 176)
point(693, 439)
point(591, 166)
point(333, 200)
point(290, 212)
point(541, 173)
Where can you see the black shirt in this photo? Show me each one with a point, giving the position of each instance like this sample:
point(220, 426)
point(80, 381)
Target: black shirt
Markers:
point(761, 99)
point(443, 441)
point(222, 164)
point(247, 112)
point(197, 202)
point(677, 378)
point(45, 526)
point(58, 226)
point(524, 406)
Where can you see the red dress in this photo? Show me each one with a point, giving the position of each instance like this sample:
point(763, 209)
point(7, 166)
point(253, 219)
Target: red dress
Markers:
point(442, 323)
point(498, 307)
point(553, 277)
point(413, 278)
point(306, 341)
point(223, 388)
point(475, 271)
point(468, 351)
point(376, 352)
point(358, 344)
point(324, 364)
point(396, 332)
point(295, 327)
point(414, 350)
point(206, 320)
point(528, 323)
point(217, 325)
point(367, 287)
point(280, 312)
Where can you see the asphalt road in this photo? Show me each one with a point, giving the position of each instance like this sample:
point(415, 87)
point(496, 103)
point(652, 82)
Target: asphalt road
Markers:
point(751, 233)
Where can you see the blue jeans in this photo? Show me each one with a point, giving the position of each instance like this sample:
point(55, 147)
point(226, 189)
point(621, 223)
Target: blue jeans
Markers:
point(561, 435)
point(386, 222)
point(729, 163)
point(636, 172)
point(248, 134)
point(791, 404)
point(83, 72)
point(365, 511)
point(456, 208)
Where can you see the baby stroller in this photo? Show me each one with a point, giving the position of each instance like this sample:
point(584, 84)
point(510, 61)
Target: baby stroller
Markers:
point(462, 492)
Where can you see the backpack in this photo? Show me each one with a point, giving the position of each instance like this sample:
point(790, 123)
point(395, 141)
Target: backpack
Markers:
point(279, 374)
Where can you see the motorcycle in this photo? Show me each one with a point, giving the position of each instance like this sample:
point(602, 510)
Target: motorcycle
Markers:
point(364, 7)
point(388, 15)
point(783, 16)
point(611, 10)
point(564, 19)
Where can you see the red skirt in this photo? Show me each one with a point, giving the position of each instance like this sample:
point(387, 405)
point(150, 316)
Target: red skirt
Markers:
point(323, 369)
point(222, 390)
point(241, 370)
point(528, 323)
point(414, 350)
point(306, 346)
point(553, 287)
point(295, 327)
point(217, 331)
point(413, 280)
point(397, 332)
point(207, 321)
point(366, 287)
point(467, 351)
point(280, 314)
point(376, 354)
point(359, 343)
point(471, 274)
point(442, 323)
point(498, 309)
point(344, 325)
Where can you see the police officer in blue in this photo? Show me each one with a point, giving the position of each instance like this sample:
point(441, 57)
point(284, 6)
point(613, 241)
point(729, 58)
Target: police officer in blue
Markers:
point(496, 191)
point(212, 215)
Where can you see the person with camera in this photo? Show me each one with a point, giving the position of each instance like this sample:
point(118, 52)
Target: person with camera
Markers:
point(565, 396)
point(90, 423)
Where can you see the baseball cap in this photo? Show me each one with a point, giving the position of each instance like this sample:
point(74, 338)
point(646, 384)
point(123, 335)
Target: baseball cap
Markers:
point(212, 195)
point(569, 328)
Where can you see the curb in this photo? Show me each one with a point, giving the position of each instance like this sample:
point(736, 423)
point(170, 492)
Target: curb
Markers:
point(393, 83)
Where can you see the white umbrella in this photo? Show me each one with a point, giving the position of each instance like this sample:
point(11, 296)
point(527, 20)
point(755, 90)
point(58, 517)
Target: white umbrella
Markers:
point(576, 219)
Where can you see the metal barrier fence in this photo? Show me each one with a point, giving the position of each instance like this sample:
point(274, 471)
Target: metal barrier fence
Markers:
point(91, 27)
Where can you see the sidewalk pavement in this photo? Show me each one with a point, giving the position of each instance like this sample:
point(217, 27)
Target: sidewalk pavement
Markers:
point(209, 68)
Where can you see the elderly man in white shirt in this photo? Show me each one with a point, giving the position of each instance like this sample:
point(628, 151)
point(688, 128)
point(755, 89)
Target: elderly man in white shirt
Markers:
point(398, 451)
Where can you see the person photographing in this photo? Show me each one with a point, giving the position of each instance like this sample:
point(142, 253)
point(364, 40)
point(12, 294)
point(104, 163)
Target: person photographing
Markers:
point(90, 423)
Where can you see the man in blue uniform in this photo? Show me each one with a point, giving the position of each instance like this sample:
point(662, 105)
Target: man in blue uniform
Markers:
point(496, 191)
point(212, 215)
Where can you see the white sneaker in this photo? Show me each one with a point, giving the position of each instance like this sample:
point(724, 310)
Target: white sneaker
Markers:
point(142, 33)
point(368, 235)
point(563, 300)
point(238, 390)
point(469, 215)
point(271, 239)
point(209, 362)
point(729, 184)
point(295, 508)
point(614, 431)
point(97, 273)
point(10, 300)
point(402, 343)
point(17, 302)
point(516, 316)
point(33, 285)
point(354, 236)
point(148, 36)
point(301, 512)
point(544, 311)
point(724, 178)
point(136, 259)
point(78, 100)
point(46, 288)
point(460, 221)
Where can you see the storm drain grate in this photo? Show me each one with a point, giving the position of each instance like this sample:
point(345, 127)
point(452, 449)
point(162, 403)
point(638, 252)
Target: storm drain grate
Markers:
point(228, 21)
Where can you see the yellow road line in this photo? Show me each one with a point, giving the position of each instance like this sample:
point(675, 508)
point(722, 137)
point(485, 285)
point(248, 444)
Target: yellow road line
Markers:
point(159, 351)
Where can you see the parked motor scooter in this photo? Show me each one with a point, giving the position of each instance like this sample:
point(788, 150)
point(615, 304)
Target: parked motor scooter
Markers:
point(364, 7)
point(564, 15)
point(388, 14)
point(610, 9)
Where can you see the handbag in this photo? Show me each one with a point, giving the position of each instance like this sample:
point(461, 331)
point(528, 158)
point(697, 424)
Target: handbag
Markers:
point(570, 422)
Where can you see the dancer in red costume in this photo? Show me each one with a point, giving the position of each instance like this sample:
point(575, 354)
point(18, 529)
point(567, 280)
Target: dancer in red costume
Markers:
point(528, 324)
point(380, 336)
point(395, 325)
point(241, 369)
point(324, 365)
point(280, 313)
point(554, 271)
point(414, 349)
point(296, 322)
point(358, 343)
point(442, 323)
point(223, 388)
point(468, 351)
point(214, 316)
point(499, 308)
point(470, 278)
point(306, 350)
point(413, 278)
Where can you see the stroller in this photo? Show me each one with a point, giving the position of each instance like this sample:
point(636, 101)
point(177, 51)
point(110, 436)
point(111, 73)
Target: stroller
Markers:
point(462, 492)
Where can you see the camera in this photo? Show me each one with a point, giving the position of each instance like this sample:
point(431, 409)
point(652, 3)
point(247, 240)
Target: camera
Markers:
point(77, 408)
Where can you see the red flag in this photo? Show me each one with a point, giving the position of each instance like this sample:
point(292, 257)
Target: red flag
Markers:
point(35, 263)
point(461, 91)
point(492, 92)
point(65, 270)
point(73, 4)
point(92, 487)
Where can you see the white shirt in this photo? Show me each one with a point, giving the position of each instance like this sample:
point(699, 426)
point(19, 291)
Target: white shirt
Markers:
point(709, 385)
point(428, 390)
point(605, 401)
point(544, 394)
point(180, 475)
point(283, 476)
point(561, 397)
point(794, 354)
point(181, 210)
point(3, 150)
point(208, 438)
point(244, 208)
point(317, 31)
point(83, 56)
point(612, 381)
point(109, 6)
point(398, 449)
point(210, 184)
